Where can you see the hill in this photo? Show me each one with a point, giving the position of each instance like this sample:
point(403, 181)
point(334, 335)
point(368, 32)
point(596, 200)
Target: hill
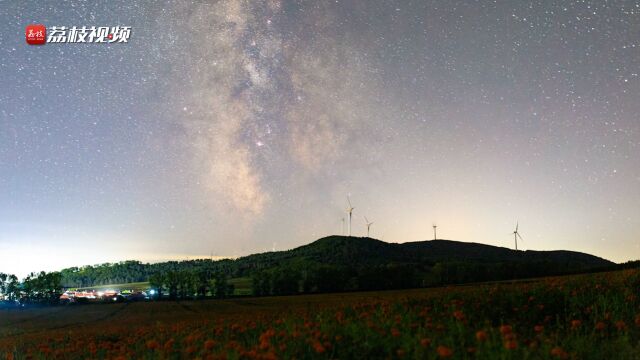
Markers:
point(366, 251)
point(353, 263)
point(359, 252)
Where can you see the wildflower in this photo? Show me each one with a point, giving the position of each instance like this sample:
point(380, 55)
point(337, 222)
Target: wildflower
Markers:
point(444, 351)
point(152, 345)
point(538, 328)
point(620, 325)
point(575, 324)
point(511, 345)
point(395, 332)
point(168, 346)
point(559, 353)
point(638, 320)
point(317, 346)
point(425, 342)
point(209, 344)
point(505, 329)
point(400, 352)
point(458, 315)
point(481, 335)
point(600, 326)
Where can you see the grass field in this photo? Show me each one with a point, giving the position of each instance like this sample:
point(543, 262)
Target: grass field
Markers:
point(138, 286)
point(592, 316)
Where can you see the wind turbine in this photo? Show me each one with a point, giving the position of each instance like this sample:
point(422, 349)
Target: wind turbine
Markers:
point(368, 225)
point(516, 235)
point(435, 237)
point(350, 211)
point(342, 232)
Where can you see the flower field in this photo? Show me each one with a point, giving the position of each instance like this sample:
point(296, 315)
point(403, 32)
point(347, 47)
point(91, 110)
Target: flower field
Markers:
point(594, 316)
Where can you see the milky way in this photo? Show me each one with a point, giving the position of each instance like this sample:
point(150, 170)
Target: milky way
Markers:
point(224, 127)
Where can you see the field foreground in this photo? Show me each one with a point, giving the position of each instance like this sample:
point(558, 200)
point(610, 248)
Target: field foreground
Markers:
point(592, 316)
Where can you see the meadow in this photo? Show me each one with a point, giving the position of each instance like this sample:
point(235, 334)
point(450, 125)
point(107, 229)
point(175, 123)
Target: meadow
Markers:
point(590, 316)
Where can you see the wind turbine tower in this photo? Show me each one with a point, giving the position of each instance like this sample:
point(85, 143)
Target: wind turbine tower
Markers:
point(368, 225)
point(350, 212)
point(516, 235)
point(435, 236)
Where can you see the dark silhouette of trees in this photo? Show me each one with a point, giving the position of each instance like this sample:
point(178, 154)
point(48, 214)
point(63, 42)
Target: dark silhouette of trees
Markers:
point(41, 288)
point(190, 284)
point(221, 286)
point(9, 287)
point(340, 264)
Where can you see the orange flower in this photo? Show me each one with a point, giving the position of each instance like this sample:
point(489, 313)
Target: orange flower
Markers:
point(168, 346)
point(481, 335)
point(575, 324)
point(152, 345)
point(511, 345)
point(425, 342)
point(444, 351)
point(538, 328)
point(400, 352)
point(559, 353)
point(600, 326)
point(318, 347)
point(638, 320)
point(458, 315)
point(505, 329)
point(620, 325)
point(209, 344)
point(395, 332)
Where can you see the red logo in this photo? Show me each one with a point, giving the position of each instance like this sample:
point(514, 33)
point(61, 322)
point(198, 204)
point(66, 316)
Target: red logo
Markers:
point(36, 34)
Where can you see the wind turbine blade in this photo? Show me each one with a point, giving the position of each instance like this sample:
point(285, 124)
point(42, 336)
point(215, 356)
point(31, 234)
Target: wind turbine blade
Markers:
point(520, 237)
point(365, 219)
point(349, 201)
point(516, 226)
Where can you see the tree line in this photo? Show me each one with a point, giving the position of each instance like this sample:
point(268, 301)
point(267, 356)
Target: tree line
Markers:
point(190, 284)
point(324, 278)
point(36, 288)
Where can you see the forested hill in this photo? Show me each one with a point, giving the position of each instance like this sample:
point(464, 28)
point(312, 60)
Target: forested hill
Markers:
point(352, 259)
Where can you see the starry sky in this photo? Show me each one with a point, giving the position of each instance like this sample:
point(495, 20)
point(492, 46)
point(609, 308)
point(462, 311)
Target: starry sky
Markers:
point(224, 128)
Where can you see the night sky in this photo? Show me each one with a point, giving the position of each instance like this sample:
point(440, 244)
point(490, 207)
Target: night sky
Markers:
point(234, 127)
